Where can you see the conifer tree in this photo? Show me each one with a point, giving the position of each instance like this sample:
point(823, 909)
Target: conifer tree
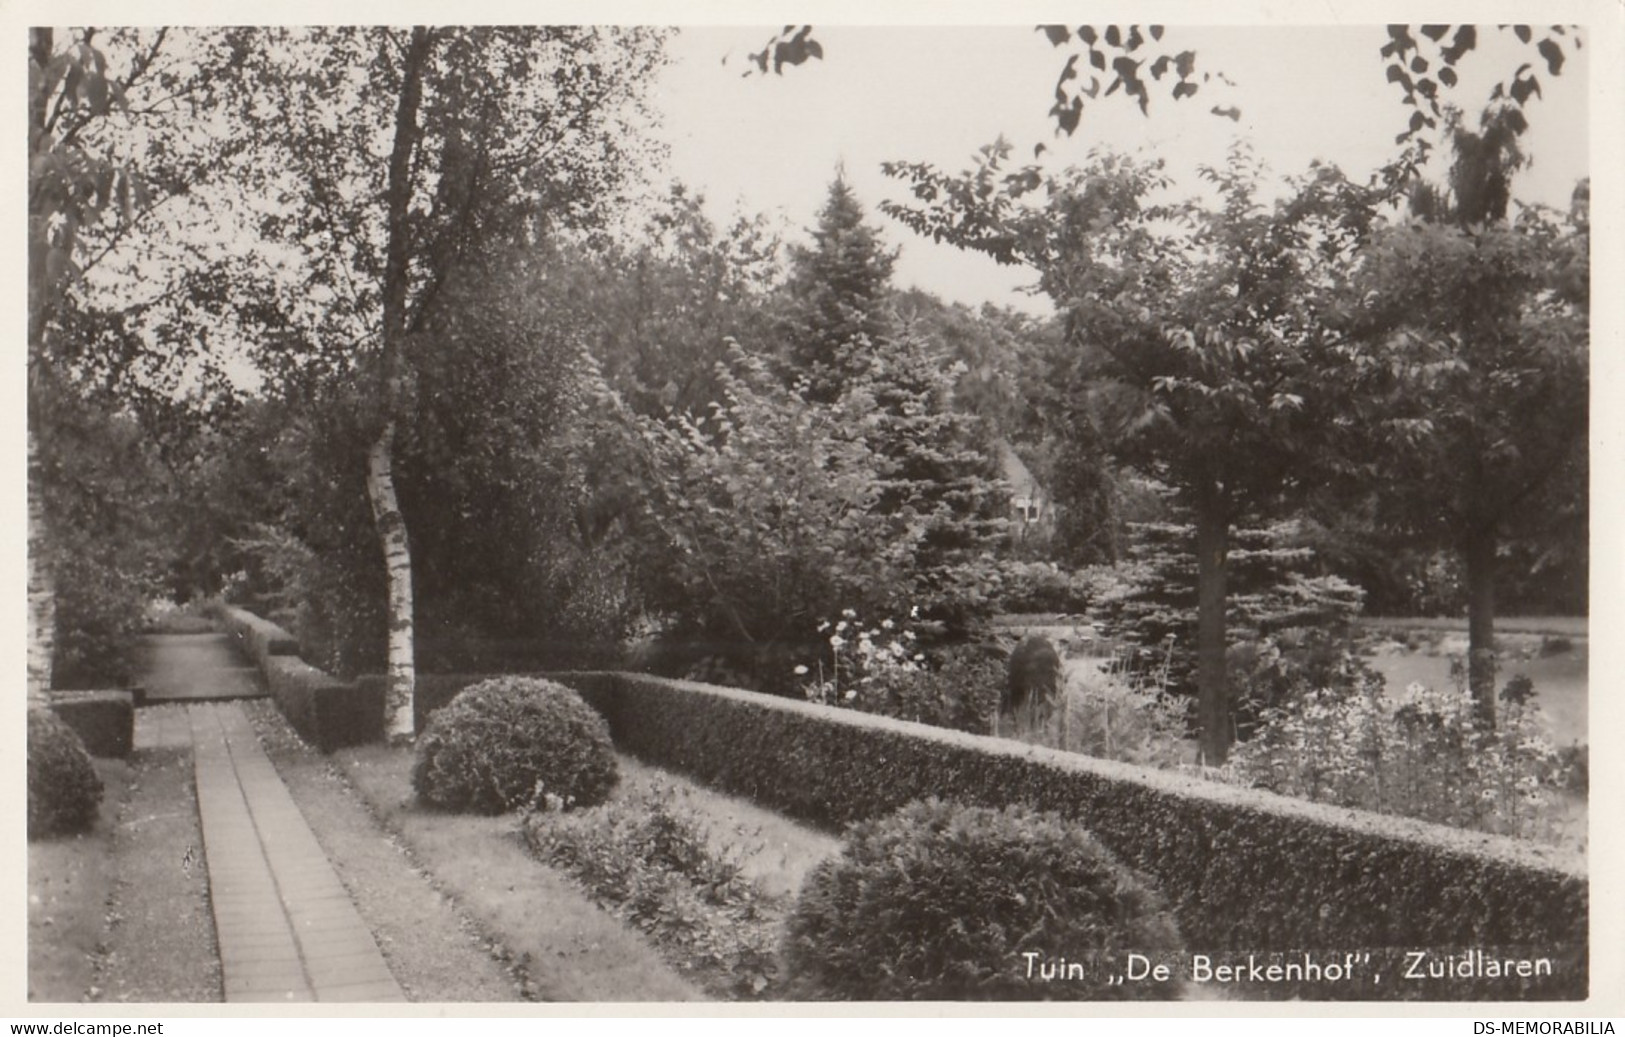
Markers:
point(837, 296)
point(938, 478)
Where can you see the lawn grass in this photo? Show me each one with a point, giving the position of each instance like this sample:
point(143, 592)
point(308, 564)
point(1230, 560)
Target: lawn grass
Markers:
point(69, 881)
point(121, 914)
point(567, 947)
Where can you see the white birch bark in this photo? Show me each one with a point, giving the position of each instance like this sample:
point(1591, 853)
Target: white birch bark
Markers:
point(386, 512)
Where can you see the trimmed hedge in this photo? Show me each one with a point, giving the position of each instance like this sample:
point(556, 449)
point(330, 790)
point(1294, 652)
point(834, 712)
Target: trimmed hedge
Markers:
point(259, 638)
point(328, 713)
point(103, 720)
point(1245, 871)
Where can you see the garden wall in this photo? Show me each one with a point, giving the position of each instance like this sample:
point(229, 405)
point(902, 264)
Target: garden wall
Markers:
point(1247, 872)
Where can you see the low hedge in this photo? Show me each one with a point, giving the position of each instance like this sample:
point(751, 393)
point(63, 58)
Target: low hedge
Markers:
point(103, 720)
point(259, 638)
point(327, 712)
point(430, 691)
point(1245, 871)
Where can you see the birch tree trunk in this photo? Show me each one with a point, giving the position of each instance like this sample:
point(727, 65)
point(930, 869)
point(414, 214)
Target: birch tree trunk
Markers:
point(41, 585)
point(386, 513)
point(41, 589)
point(386, 507)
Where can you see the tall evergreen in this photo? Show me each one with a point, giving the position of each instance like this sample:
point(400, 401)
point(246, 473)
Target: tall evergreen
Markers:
point(837, 296)
point(938, 478)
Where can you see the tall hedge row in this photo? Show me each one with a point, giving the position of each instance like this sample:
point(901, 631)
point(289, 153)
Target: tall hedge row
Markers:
point(1245, 871)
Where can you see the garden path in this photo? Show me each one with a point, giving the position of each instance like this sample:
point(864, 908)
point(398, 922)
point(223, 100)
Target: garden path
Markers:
point(286, 928)
point(190, 667)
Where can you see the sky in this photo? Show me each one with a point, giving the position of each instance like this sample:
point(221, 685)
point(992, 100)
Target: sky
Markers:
point(936, 94)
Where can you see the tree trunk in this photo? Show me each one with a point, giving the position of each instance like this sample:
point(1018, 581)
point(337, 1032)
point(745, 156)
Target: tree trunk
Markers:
point(41, 584)
point(386, 509)
point(41, 589)
point(386, 513)
point(1479, 554)
point(1212, 680)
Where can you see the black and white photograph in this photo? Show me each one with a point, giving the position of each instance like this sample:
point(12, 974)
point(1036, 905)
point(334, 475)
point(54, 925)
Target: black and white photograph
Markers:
point(534, 507)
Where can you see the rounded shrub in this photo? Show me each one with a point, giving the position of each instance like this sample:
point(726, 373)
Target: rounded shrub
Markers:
point(506, 741)
point(64, 789)
point(944, 902)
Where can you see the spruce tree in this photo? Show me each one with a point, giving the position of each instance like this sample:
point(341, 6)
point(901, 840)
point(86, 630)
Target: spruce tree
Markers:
point(837, 296)
point(939, 480)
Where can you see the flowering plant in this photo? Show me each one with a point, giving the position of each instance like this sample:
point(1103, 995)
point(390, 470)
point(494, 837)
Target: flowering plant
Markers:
point(879, 668)
point(1423, 753)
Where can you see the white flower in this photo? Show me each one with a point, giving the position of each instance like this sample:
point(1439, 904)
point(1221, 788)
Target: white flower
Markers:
point(836, 640)
point(801, 671)
point(849, 613)
point(851, 694)
point(885, 624)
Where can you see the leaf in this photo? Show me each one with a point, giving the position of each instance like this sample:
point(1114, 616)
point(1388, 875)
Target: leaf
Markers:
point(1160, 66)
point(1097, 59)
point(1522, 89)
point(1156, 32)
point(1553, 55)
point(1086, 33)
point(1447, 76)
point(1057, 34)
point(1232, 112)
point(1435, 32)
point(1183, 90)
point(1114, 36)
point(1522, 32)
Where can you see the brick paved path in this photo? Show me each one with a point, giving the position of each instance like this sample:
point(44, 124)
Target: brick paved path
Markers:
point(287, 930)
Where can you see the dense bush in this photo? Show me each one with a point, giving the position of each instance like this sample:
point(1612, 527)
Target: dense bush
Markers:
point(1242, 869)
point(511, 741)
point(940, 901)
point(1044, 587)
point(646, 856)
point(64, 789)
